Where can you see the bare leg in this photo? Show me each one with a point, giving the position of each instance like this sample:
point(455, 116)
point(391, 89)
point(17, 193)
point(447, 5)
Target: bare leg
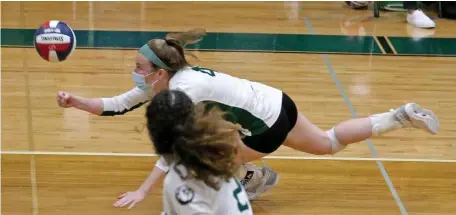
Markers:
point(246, 154)
point(307, 137)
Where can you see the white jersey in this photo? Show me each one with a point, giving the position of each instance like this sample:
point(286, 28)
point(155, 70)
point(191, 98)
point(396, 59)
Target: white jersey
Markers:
point(187, 196)
point(253, 105)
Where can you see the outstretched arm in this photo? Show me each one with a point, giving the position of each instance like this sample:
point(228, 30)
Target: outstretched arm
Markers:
point(158, 173)
point(132, 198)
point(116, 105)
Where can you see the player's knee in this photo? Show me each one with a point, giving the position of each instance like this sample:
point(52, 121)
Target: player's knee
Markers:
point(322, 146)
point(327, 143)
point(318, 143)
point(335, 145)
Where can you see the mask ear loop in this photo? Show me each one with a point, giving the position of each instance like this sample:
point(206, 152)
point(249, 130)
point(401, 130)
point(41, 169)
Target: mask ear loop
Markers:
point(151, 84)
point(140, 128)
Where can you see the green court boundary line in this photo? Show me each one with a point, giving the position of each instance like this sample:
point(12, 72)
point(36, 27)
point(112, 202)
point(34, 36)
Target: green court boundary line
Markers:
point(215, 50)
point(260, 43)
point(259, 51)
point(213, 41)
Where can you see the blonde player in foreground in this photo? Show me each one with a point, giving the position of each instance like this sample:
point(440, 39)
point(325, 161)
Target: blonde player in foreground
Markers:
point(198, 182)
point(268, 116)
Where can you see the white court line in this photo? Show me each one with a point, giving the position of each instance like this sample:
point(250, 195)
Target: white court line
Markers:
point(79, 153)
point(267, 157)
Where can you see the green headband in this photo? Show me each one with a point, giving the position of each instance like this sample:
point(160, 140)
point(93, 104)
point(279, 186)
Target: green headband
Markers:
point(152, 57)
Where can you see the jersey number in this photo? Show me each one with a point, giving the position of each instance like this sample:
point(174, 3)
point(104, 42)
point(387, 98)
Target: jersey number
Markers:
point(204, 70)
point(241, 207)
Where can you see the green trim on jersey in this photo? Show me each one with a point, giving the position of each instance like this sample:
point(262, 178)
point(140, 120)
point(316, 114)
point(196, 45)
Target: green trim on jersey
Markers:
point(240, 116)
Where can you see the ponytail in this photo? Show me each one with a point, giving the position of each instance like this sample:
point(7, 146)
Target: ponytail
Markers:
point(170, 52)
point(172, 43)
point(186, 38)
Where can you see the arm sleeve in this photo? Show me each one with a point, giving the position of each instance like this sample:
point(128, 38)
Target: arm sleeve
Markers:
point(123, 103)
point(161, 163)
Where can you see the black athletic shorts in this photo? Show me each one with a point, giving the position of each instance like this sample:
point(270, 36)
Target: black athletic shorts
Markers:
point(271, 139)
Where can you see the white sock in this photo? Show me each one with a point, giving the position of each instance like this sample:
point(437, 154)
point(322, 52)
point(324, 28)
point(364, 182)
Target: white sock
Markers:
point(383, 123)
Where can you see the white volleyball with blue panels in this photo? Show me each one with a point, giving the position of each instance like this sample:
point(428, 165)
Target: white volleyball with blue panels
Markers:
point(55, 41)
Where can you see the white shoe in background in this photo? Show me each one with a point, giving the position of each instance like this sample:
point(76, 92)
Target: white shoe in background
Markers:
point(419, 19)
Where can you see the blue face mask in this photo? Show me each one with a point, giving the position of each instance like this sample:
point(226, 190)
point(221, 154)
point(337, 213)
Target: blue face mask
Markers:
point(140, 82)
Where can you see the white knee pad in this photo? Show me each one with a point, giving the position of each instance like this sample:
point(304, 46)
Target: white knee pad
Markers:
point(335, 145)
point(161, 164)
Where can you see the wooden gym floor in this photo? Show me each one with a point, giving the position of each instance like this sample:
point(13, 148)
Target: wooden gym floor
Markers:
point(63, 161)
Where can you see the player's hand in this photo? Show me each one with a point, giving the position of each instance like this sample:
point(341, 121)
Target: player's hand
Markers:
point(64, 99)
point(129, 198)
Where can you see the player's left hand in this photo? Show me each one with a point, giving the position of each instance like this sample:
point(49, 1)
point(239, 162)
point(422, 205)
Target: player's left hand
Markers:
point(129, 198)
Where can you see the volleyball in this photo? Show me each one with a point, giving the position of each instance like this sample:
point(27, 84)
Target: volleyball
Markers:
point(54, 41)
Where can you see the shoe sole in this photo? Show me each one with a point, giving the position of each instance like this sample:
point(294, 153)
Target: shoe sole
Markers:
point(266, 188)
point(423, 118)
